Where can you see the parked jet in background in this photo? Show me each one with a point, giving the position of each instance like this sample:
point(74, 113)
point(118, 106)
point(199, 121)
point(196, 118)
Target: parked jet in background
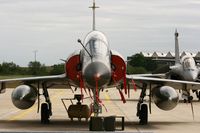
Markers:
point(182, 76)
point(185, 68)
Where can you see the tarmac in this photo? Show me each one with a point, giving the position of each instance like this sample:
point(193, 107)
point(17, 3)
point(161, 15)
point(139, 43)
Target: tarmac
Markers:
point(177, 120)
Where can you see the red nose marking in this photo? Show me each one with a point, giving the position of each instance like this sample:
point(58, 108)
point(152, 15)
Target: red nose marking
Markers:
point(97, 76)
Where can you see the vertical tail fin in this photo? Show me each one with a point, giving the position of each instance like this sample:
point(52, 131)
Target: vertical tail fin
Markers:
point(177, 56)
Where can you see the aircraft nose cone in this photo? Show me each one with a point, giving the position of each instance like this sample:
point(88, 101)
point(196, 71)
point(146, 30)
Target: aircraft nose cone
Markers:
point(192, 76)
point(97, 71)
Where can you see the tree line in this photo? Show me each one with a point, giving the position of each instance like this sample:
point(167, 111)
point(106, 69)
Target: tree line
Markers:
point(136, 64)
point(34, 68)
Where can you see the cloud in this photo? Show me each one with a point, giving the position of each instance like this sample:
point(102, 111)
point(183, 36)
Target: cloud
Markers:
point(53, 26)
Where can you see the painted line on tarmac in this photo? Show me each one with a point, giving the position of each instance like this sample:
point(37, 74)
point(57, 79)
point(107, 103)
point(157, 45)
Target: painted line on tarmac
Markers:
point(7, 114)
point(107, 97)
point(116, 105)
point(22, 114)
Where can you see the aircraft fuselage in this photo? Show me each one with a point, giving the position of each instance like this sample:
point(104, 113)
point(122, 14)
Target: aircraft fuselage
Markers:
point(187, 69)
point(96, 67)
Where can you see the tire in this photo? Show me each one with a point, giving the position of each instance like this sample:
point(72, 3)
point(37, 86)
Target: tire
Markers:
point(190, 98)
point(143, 114)
point(199, 95)
point(184, 100)
point(44, 113)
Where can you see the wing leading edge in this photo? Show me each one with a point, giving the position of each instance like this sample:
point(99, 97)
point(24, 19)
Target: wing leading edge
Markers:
point(54, 77)
point(163, 81)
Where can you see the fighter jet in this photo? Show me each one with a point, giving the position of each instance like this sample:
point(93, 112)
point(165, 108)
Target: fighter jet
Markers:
point(94, 67)
point(182, 76)
point(185, 68)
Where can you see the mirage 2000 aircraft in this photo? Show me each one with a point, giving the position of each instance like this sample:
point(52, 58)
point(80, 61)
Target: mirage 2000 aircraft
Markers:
point(185, 68)
point(182, 76)
point(94, 67)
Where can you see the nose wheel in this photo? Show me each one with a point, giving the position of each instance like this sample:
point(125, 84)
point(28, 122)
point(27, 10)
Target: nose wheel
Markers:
point(97, 109)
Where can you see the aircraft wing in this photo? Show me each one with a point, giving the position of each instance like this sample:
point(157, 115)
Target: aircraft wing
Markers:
point(177, 84)
point(159, 75)
point(62, 76)
point(165, 60)
point(51, 80)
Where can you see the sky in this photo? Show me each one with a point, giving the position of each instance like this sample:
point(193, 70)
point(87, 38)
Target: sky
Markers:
point(52, 27)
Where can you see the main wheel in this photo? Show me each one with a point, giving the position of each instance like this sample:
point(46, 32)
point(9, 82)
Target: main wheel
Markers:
point(44, 113)
point(190, 98)
point(199, 95)
point(143, 114)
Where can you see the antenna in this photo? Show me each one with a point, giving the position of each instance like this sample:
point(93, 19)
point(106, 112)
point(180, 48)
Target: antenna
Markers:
point(177, 56)
point(93, 9)
point(79, 41)
point(35, 55)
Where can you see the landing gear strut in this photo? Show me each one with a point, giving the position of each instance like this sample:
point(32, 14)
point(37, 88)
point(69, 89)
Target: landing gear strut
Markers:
point(97, 108)
point(198, 94)
point(46, 110)
point(187, 98)
point(142, 109)
point(96, 123)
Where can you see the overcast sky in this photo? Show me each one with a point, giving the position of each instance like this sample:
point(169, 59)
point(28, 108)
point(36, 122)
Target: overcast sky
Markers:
point(53, 26)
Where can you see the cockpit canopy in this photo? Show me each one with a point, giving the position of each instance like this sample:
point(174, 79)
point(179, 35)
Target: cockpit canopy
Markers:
point(188, 63)
point(96, 43)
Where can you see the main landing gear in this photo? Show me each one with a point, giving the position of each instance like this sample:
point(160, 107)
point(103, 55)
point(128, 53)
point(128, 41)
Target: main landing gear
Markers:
point(187, 98)
point(142, 108)
point(44, 113)
point(143, 115)
point(198, 94)
point(46, 110)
